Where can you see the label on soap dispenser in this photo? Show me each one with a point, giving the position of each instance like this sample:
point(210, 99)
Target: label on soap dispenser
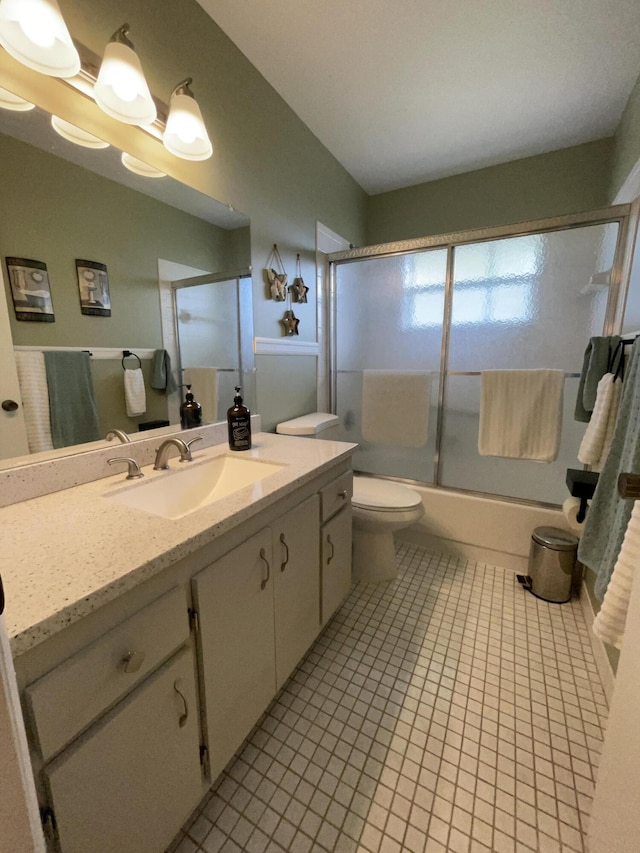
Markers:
point(240, 432)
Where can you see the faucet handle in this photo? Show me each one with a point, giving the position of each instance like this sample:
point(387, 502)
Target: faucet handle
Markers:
point(189, 458)
point(134, 472)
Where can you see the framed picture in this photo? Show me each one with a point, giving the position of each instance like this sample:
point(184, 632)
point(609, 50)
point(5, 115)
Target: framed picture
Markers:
point(30, 290)
point(93, 284)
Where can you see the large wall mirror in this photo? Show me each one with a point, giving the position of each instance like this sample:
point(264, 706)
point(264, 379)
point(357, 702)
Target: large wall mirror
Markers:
point(177, 265)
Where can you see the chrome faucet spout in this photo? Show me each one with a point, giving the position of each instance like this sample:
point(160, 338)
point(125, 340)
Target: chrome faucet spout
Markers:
point(118, 433)
point(162, 453)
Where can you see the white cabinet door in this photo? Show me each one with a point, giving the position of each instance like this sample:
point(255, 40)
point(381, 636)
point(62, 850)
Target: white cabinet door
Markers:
point(129, 783)
point(336, 562)
point(296, 568)
point(234, 600)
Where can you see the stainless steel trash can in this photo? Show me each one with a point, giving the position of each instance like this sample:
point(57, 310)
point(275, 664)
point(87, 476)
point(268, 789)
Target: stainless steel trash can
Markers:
point(552, 564)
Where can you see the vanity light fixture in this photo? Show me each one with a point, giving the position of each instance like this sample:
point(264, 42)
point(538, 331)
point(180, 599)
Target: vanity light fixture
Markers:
point(9, 101)
point(185, 134)
point(34, 33)
point(75, 134)
point(140, 167)
point(121, 90)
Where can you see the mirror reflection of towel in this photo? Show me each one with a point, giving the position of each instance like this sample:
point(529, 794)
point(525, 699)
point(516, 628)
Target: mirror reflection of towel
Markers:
point(134, 393)
point(161, 375)
point(72, 401)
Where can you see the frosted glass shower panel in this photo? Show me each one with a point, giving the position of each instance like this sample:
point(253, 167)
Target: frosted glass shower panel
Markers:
point(209, 335)
point(530, 301)
point(388, 316)
point(521, 303)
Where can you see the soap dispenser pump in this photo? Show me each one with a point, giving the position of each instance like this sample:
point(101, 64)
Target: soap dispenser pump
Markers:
point(190, 411)
point(239, 423)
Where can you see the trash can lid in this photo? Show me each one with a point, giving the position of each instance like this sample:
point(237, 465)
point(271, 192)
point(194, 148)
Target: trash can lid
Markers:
point(555, 538)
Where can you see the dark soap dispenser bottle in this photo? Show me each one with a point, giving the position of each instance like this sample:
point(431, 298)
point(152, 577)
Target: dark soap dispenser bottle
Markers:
point(239, 422)
point(190, 411)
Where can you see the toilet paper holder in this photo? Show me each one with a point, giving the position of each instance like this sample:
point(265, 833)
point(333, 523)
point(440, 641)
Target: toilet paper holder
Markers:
point(582, 485)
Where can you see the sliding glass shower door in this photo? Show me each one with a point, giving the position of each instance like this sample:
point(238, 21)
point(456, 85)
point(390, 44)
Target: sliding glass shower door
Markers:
point(521, 303)
point(388, 317)
point(461, 307)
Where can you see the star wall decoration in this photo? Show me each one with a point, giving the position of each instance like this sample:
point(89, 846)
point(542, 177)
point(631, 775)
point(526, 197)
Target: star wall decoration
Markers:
point(290, 323)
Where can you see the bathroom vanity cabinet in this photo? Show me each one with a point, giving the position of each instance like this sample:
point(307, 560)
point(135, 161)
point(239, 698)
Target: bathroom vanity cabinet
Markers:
point(136, 708)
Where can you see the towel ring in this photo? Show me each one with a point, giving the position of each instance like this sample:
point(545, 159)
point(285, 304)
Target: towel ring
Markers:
point(128, 354)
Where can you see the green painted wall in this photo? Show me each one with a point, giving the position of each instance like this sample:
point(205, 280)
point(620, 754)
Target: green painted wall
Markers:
point(566, 181)
point(266, 162)
point(626, 149)
point(54, 211)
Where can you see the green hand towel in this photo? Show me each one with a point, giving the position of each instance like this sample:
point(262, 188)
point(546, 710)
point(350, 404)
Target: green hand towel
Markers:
point(609, 514)
point(161, 375)
point(594, 367)
point(72, 401)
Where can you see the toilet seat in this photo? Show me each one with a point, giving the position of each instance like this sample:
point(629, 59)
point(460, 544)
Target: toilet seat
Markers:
point(376, 495)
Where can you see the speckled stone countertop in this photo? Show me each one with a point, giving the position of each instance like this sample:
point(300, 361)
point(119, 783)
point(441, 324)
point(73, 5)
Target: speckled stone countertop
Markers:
point(65, 554)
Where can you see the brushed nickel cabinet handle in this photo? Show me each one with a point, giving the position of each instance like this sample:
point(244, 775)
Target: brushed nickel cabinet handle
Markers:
point(333, 550)
point(265, 581)
point(286, 548)
point(185, 715)
point(343, 494)
point(133, 661)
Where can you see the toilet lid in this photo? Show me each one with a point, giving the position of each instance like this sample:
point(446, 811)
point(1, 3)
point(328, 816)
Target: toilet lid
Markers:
point(371, 493)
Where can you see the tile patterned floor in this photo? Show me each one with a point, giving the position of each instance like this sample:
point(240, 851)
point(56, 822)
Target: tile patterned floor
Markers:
point(447, 711)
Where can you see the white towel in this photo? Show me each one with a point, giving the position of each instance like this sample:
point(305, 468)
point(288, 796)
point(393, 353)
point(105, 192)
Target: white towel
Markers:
point(34, 389)
point(204, 387)
point(134, 393)
point(521, 414)
point(599, 432)
point(611, 619)
point(395, 407)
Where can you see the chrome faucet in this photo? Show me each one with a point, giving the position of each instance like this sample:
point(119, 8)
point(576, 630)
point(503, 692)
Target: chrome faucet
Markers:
point(118, 433)
point(184, 447)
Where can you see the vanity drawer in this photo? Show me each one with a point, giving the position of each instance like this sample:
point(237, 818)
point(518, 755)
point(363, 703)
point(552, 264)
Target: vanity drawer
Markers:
point(66, 700)
point(336, 495)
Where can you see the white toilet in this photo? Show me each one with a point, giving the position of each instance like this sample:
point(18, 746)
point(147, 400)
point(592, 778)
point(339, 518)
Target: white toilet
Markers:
point(380, 507)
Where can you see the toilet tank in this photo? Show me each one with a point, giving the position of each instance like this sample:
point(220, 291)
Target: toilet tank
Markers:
point(313, 424)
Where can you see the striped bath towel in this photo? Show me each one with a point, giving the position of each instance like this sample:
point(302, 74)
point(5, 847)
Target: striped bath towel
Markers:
point(521, 414)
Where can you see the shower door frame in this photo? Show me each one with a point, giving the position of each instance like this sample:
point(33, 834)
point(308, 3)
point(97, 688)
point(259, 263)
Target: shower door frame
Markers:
point(614, 312)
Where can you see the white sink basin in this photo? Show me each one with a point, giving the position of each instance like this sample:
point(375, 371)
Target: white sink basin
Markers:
point(194, 485)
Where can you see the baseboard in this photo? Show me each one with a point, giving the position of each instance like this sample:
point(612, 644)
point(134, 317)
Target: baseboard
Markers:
point(463, 550)
point(599, 652)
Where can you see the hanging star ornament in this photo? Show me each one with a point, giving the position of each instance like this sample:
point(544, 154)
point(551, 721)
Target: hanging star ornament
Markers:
point(299, 289)
point(277, 285)
point(290, 323)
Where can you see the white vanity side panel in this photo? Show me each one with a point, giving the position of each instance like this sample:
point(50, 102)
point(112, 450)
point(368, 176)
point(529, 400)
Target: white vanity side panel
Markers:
point(92, 680)
point(140, 741)
point(236, 644)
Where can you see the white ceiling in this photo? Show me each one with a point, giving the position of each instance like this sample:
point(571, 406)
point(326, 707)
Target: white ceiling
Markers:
point(405, 91)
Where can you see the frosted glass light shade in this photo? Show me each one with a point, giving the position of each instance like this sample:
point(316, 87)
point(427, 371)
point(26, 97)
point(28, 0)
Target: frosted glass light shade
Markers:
point(34, 33)
point(9, 101)
point(140, 167)
point(121, 89)
point(185, 134)
point(75, 134)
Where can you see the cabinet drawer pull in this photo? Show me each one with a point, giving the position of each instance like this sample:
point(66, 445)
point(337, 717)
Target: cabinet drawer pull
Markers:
point(265, 581)
point(185, 715)
point(286, 556)
point(343, 494)
point(133, 661)
point(333, 550)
